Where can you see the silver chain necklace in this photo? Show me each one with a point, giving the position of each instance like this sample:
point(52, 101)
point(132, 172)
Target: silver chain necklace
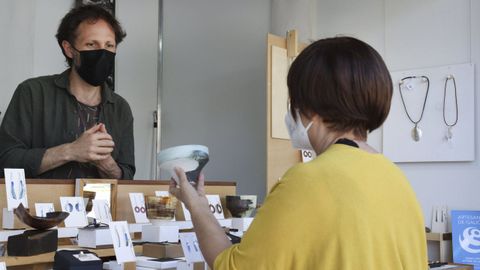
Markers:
point(449, 134)
point(416, 131)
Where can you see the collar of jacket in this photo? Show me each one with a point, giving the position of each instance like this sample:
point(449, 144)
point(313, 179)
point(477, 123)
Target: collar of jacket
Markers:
point(63, 82)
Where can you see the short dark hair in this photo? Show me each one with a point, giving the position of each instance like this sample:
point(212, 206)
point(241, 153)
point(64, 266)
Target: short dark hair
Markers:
point(344, 81)
point(67, 30)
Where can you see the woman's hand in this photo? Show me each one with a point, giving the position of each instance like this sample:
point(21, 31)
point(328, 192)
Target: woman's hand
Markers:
point(186, 193)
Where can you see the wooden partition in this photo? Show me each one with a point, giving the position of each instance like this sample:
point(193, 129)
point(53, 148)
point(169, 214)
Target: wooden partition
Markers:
point(50, 190)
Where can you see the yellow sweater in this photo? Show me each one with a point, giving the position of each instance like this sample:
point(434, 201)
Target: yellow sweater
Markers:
point(347, 209)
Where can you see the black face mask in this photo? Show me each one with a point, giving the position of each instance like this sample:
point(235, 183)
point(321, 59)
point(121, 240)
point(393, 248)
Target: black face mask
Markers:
point(95, 66)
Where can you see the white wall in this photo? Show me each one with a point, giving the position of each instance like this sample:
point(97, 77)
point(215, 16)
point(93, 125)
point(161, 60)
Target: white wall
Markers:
point(136, 74)
point(415, 34)
point(214, 85)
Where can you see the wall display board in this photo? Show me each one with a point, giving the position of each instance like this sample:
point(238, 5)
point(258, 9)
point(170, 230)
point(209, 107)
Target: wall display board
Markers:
point(432, 115)
point(280, 153)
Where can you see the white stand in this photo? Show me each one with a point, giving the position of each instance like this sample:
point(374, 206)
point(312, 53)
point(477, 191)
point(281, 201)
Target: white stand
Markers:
point(94, 237)
point(160, 233)
point(241, 224)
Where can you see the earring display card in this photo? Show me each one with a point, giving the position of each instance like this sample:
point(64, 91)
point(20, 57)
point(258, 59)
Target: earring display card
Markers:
point(76, 207)
point(41, 209)
point(16, 188)
point(440, 219)
point(308, 155)
point(138, 206)
point(122, 242)
point(216, 206)
point(102, 211)
point(191, 248)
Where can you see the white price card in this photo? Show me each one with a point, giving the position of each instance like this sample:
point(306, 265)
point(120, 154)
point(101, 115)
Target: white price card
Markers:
point(16, 188)
point(3, 266)
point(76, 208)
point(138, 206)
point(307, 155)
point(215, 206)
point(191, 248)
point(102, 211)
point(122, 243)
point(41, 209)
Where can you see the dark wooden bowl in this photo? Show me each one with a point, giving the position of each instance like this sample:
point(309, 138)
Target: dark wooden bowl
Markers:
point(237, 206)
point(40, 223)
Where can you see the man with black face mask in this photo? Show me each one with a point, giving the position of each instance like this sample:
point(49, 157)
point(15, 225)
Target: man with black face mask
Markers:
point(72, 125)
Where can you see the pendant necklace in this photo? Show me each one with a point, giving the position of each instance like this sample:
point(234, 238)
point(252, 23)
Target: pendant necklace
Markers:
point(449, 134)
point(416, 131)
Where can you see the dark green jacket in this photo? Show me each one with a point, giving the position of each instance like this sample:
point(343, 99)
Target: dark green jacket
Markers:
point(43, 114)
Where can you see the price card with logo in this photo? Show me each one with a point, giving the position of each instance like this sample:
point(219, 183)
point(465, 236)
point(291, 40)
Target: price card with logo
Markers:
point(138, 206)
point(122, 243)
point(466, 237)
point(16, 187)
point(41, 209)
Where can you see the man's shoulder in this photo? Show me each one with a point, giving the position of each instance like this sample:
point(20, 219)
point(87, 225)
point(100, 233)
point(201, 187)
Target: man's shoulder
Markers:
point(46, 82)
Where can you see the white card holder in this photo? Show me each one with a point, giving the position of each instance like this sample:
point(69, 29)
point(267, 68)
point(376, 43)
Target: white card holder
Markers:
point(137, 200)
point(122, 243)
point(76, 208)
point(102, 211)
point(440, 219)
point(191, 247)
point(16, 188)
point(41, 209)
point(215, 206)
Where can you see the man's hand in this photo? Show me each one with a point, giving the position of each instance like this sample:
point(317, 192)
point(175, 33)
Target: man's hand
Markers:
point(94, 144)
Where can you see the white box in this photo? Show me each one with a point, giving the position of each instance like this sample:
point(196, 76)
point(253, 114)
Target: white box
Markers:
point(155, 263)
point(160, 233)
point(241, 224)
point(10, 220)
point(94, 237)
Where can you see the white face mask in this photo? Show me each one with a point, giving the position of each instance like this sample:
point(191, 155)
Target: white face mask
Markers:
point(298, 133)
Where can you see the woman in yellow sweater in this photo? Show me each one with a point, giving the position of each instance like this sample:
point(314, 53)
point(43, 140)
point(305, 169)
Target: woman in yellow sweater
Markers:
point(350, 208)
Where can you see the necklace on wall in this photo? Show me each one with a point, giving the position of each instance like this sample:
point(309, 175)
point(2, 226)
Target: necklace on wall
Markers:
point(416, 131)
point(449, 134)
